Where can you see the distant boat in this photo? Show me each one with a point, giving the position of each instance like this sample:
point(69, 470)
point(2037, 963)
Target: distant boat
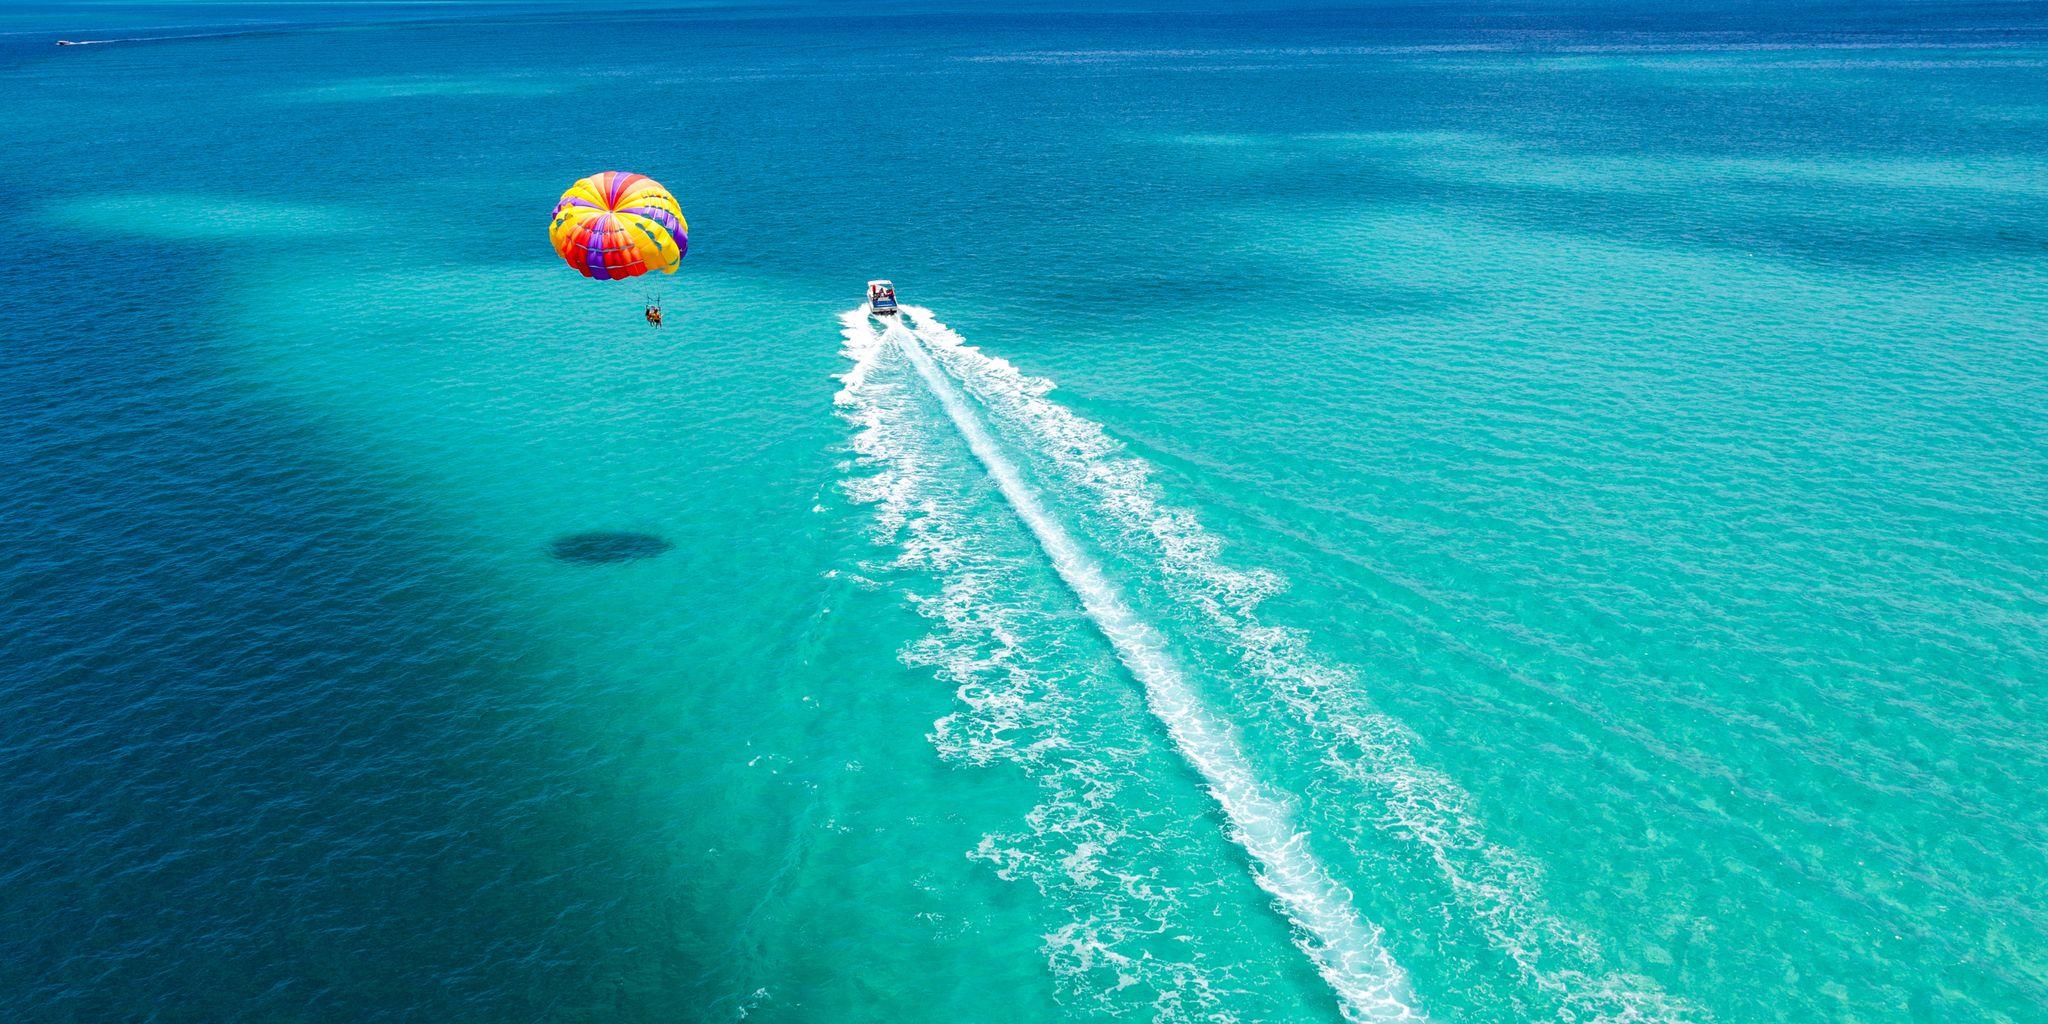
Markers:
point(66, 42)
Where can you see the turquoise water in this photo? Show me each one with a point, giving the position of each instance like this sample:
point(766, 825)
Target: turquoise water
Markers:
point(1431, 513)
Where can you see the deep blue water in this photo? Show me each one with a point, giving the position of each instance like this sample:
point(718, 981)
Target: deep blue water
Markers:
point(1543, 515)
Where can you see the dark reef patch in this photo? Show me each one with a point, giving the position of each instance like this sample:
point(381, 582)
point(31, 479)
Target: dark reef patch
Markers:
point(603, 547)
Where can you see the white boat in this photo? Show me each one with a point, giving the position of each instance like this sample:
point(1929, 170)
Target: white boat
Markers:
point(881, 298)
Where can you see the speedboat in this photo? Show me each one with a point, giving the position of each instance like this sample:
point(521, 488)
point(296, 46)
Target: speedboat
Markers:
point(881, 298)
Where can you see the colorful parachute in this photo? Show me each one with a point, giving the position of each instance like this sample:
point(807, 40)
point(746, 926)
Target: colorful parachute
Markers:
point(616, 225)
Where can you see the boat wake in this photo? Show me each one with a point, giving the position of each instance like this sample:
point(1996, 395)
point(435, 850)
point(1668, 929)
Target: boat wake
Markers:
point(1200, 622)
point(1346, 949)
point(1091, 846)
point(183, 33)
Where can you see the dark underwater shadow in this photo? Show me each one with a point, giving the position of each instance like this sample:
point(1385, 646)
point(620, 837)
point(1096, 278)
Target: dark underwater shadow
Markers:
point(603, 547)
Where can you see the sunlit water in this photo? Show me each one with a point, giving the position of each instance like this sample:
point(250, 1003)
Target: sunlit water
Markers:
point(1435, 514)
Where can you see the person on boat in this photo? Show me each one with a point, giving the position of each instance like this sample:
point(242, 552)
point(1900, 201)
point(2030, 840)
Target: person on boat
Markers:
point(654, 316)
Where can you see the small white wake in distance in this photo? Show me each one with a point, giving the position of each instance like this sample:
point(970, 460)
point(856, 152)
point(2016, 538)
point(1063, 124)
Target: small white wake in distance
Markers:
point(168, 39)
point(1496, 888)
point(1346, 949)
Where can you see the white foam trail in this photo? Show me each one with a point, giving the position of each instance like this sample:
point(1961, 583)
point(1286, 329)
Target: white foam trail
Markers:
point(1089, 845)
point(1497, 888)
point(1346, 949)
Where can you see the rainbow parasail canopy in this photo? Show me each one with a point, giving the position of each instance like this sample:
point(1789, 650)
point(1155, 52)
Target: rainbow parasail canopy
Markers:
point(615, 225)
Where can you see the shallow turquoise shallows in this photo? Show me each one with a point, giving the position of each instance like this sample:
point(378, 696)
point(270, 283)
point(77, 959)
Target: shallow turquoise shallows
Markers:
point(1467, 514)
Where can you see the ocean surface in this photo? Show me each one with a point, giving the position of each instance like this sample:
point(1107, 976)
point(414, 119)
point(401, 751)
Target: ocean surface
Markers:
point(1461, 513)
